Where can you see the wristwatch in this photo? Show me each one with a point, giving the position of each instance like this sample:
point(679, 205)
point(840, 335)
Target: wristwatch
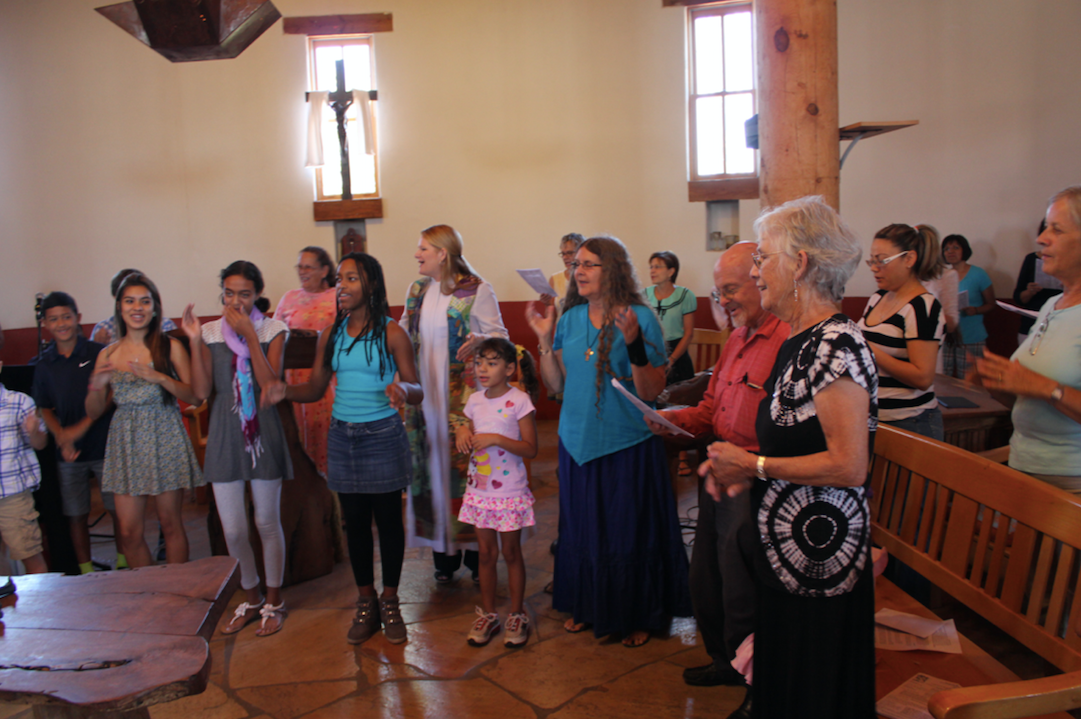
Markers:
point(1057, 394)
point(760, 468)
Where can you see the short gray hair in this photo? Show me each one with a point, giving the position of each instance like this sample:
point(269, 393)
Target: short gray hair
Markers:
point(1072, 196)
point(812, 226)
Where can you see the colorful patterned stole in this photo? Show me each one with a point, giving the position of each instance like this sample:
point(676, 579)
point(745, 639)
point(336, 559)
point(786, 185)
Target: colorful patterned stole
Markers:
point(460, 385)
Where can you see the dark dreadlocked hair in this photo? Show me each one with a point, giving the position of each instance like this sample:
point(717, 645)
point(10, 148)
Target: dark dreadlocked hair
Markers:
point(374, 333)
point(507, 351)
point(619, 288)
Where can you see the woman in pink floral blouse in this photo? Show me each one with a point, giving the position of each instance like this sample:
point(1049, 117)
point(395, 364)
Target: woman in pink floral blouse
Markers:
point(311, 307)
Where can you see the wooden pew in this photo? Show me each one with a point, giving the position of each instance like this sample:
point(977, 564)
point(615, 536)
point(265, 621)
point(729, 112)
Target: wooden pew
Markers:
point(1001, 542)
point(705, 348)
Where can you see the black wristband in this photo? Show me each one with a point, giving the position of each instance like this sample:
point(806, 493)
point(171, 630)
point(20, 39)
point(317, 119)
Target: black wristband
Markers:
point(636, 351)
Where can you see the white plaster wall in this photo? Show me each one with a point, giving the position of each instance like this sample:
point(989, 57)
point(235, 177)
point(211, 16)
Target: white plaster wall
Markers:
point(992, 84)
point(516, 121)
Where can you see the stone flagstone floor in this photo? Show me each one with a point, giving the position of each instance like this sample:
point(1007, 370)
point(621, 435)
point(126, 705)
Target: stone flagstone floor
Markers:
point(308, 669)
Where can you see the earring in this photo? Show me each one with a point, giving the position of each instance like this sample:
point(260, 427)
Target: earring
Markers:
point(795, 290)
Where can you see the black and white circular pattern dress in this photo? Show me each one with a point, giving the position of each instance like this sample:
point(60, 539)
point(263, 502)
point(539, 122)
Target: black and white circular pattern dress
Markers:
point(814, 636)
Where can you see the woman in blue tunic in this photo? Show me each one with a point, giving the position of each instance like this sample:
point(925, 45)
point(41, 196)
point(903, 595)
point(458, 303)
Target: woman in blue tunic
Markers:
point(620, 565)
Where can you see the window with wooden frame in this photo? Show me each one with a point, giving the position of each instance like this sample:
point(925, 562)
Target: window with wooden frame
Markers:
point(358, 56)
point(721, 98)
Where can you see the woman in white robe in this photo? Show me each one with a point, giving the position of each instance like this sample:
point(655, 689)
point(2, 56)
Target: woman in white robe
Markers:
point(448, 311)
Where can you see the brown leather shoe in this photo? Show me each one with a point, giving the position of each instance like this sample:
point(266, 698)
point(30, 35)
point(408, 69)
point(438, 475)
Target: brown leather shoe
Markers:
point(366, 621)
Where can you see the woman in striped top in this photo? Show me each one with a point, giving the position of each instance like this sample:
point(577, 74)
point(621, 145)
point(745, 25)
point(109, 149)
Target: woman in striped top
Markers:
point(904, 324)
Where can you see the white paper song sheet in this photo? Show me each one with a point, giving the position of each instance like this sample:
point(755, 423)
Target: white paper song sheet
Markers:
point(1019, 310)
point(647, 411)
point(536, 279)
point(909, 701)
point(1045, 280)
point(943, 639)
point(908, 623)
point(962, 300)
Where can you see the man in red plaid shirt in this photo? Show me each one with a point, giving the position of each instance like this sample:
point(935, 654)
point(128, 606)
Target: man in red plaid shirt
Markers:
point(722, 588)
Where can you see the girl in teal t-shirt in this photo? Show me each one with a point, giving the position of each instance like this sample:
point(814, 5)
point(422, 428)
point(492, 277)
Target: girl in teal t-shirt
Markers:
point(368, 458)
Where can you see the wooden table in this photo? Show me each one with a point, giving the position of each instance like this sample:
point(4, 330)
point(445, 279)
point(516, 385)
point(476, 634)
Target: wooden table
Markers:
point(112, 643)
point(974, 667)
point(979, 428)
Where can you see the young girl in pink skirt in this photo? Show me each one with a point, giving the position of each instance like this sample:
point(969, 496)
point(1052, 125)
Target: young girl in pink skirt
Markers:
point(497, 499)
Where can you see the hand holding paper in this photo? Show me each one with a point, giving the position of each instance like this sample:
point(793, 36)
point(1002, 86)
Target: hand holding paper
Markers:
point(648, 412)
point(536, 279)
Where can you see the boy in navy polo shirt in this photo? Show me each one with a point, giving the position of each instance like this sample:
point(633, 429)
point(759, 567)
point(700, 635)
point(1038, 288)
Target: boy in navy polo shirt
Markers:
point(20, 434)
point(61, 379)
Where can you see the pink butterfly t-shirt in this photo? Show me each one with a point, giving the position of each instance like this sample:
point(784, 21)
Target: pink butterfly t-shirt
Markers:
point(495, 472)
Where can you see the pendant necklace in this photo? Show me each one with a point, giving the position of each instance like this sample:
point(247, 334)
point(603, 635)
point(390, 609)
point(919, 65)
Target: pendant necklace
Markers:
point(589, 345)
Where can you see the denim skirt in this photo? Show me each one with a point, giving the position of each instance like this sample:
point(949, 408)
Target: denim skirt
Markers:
point(368, 457)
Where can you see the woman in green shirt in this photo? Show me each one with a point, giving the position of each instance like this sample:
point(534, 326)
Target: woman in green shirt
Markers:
point(675, 307)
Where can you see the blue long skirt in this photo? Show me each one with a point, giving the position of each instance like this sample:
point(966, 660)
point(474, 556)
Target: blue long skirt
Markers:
point(620, 565)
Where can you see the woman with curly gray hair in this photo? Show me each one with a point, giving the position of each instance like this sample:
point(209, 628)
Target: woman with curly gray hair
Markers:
point(814, 633)
point(620, 564)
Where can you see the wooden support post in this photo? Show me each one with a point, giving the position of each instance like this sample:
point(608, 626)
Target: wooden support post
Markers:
point(797, 100)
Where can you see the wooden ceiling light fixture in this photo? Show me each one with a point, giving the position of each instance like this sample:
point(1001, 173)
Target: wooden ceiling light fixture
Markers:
point(195, 29)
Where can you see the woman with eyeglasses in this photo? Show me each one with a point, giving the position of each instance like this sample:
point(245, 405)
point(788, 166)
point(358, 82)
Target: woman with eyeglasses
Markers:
point(904, 324)
point(675, 307)
point(620, 564)
point(1042, 380)
point(977, 299)
point(311, 307)
point(568, 246)
point(808, 540)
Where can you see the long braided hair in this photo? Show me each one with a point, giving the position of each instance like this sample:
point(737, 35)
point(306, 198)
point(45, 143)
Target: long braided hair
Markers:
point(374, 332)
point(619, 288)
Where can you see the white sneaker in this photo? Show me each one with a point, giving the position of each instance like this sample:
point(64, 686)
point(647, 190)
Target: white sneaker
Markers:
point(517, 630)
point(484, 628)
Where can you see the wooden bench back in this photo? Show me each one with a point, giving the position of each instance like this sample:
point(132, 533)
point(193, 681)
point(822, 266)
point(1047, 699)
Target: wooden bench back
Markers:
point(705, 348)
point(1004, 544)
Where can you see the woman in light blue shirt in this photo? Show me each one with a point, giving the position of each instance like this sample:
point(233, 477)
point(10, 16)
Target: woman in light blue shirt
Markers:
point(1042, 380)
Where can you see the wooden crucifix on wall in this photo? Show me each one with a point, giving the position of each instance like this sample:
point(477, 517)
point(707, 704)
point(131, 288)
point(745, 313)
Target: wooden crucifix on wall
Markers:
point(340, 100)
